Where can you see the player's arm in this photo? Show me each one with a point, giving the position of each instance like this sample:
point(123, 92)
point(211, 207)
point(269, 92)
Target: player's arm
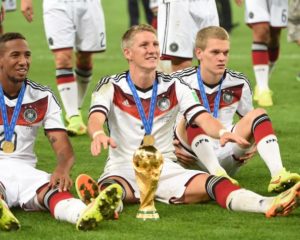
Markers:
point(65, 159)
point(27, 9)
point(97, 134)
point(2, 12)
point(215, 129)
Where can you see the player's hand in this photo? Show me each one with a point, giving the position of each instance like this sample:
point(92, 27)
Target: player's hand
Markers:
point(181, 155)
point(61, 180)
point(232, 137)
point(249, 154)
point(27, 9)
point(100, 141)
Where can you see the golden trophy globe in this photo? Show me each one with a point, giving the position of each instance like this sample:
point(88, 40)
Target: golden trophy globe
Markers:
point(147, 161)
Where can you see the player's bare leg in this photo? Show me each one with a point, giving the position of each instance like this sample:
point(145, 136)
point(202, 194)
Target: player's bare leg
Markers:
point(260, 60)
point(68, 90)
point(273, 48)
point(180, 63)
point(83, 73)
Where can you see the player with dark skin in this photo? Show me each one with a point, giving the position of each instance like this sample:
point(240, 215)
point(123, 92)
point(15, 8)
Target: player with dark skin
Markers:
point(22, 113)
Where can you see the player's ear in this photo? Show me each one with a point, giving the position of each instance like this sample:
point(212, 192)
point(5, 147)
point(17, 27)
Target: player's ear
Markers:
point(198, 53)
point(127, 53)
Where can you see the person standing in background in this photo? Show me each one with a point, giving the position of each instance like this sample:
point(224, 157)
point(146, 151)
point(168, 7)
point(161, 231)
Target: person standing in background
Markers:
point(266, 18)
point(84, 32)
point(225, 15)
point(134, 13)
point(294, 24)
point(178, 23)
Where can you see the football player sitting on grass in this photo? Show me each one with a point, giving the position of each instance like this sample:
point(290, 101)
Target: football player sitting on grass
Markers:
point(225, 93)
point(119, 100)
point(25, 106)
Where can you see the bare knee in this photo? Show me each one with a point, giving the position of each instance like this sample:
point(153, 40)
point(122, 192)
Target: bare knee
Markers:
point(84, 60)
point(63, 58)
point(180, 63)
point(251, 116)
point(261, 32)
point(258, 111)
point(195, 191)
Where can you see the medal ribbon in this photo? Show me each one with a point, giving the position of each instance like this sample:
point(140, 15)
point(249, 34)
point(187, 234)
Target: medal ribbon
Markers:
point(9, 128)
point(148, 123)
point(204, 97)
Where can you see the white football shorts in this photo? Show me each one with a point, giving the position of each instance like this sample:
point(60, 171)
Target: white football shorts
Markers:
point(178, 24)
point(76, 24)
point(171, 185)
point(21, 181)
point(274, 12)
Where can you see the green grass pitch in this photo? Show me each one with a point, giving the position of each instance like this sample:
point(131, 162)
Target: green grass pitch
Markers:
point(199, 221)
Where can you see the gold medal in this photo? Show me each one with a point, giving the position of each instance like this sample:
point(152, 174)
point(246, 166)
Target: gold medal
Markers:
point(8, 147)
point(148, 140)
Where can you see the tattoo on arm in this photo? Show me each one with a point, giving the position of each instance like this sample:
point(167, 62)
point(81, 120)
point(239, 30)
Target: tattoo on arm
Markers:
point(52, 139)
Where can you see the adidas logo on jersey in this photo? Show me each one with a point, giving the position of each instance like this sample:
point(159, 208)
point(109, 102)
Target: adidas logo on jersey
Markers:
point(126, 103)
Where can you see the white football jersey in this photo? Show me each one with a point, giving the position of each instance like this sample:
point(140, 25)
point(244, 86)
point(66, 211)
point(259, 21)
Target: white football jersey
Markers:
point(113, 98)
point(236, 94)
point(39, 108)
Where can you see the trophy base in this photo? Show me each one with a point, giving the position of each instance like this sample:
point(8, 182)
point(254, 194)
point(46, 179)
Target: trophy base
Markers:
point(147, 215)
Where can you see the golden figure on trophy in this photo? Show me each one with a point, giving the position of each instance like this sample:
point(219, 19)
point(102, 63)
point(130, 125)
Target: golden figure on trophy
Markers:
point(148, 163)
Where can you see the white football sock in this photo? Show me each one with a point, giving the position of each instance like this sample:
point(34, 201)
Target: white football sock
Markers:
point(69, 95)
point(247, 201)
point(268, 150)
point(83, 79)
point(262, 76)
point(69, 210)
point(202, 147)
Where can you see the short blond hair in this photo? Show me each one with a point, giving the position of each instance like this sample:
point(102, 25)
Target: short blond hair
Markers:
point(210, 32)
point(132, 31)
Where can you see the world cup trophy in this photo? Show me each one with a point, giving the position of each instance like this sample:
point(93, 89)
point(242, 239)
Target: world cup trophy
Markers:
point(147, 161)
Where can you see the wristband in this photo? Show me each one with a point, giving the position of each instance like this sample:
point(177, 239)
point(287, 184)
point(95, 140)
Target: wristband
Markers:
point(95, 134)
point(222, 131)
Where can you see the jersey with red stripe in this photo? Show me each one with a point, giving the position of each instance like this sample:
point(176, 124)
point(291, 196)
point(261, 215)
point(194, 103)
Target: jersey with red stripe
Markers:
point(236, 94)
point(114, 99)
point(39, 108)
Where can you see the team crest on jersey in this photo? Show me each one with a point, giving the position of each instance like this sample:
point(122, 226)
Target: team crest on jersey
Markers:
point(163, 104)
point(30, 115)
point(227, 96)
point(174, 47)
point(251, 15)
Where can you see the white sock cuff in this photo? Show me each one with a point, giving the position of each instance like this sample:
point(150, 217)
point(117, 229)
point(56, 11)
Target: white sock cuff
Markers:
point(201, 138)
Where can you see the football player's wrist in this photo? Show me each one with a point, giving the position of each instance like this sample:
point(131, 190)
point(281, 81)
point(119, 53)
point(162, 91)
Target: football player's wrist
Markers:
point(95, 134)
point(222, 132)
